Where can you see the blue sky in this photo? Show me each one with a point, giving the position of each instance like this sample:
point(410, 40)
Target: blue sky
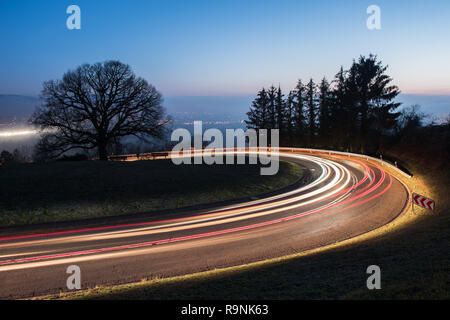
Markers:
point(224, 48)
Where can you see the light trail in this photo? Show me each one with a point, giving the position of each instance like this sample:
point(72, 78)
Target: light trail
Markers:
point(346, 197)
point(337, 186)
point(17, 133)
point(246, 208)
point(177, 239)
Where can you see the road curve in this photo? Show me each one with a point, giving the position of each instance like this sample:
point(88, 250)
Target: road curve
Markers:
point(345, 197)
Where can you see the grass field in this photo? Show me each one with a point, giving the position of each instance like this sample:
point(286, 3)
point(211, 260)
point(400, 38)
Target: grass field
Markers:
point(61, 191)
point(412, 252)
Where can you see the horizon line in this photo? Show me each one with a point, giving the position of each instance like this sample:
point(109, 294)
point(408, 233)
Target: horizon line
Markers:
point(231, 95)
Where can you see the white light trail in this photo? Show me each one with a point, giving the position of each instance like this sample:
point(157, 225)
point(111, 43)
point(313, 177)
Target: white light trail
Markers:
point(244, 211)
point(17, 133)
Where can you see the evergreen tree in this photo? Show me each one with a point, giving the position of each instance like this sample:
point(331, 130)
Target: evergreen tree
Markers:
point(280, 107)
point(257, 116)
point(299, 111)
point(324, 102)
point(375, 102)
point(338, 112)
point(290, 116)
point(352, 121)
point(311, 106)
point(272, 113)
point(356, 114)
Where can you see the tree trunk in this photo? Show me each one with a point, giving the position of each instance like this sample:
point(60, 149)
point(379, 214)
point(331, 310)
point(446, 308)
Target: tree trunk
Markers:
point(102, 154)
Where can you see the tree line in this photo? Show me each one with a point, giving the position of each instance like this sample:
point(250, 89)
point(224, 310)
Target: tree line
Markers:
point(355, 112)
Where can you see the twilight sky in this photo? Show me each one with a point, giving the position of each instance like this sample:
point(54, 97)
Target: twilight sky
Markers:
point(218, 47)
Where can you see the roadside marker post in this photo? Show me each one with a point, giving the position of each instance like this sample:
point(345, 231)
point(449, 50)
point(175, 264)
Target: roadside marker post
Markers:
point(422, 201)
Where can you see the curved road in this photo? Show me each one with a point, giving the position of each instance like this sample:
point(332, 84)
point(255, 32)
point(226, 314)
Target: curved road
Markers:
point(345, 197)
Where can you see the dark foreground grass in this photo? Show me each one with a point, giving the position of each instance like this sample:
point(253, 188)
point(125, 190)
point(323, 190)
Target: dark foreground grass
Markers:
point(61, 191)
point(413, 253)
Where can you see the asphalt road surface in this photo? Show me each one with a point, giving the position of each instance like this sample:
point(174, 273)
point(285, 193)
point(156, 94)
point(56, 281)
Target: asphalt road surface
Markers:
point(343, 197)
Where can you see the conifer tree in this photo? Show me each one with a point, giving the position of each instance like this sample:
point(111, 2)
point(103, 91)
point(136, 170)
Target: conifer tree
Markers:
point(311, 106)
point(280, 108)
point(258, 114)
point(324, 102)
point(289, 116)
point(299, 112)
point(272, 113)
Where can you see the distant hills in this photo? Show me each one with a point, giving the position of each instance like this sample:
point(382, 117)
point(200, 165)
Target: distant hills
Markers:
point(17, 107)
point(182, 108)
point(208, 108)
point(437, 106)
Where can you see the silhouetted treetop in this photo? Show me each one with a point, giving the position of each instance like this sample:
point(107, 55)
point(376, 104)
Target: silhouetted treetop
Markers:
point(95, 105)
point(354, 112)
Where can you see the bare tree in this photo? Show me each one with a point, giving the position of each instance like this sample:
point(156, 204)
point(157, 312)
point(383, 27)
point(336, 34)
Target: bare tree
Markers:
point(95, 106)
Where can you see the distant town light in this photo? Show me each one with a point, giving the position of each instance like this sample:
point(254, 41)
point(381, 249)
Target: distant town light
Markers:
point(16, 133)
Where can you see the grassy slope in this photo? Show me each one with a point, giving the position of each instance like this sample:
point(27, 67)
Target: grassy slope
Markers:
point(412, 252)
point(37, 193)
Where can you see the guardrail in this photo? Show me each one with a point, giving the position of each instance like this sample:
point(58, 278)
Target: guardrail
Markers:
point(140, 156)
point(166, 154)
point(382, 162)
